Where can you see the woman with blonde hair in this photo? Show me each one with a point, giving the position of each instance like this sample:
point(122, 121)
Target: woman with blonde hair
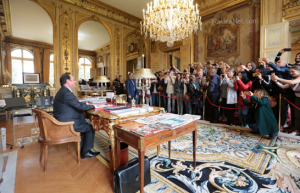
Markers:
point(260, 117)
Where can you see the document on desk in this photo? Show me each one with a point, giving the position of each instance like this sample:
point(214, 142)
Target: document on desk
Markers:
point(2, 103)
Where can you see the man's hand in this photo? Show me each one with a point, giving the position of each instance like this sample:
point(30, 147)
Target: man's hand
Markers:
point(237, 78)
point(243, 95)
point(281, 51)
point(129, 96)
point(266, 60)
point(274, 77)
point(261, 63)
point(136, 96)
point(251, 94)
point(225, 76)
point(244, 67)
point(259, 76)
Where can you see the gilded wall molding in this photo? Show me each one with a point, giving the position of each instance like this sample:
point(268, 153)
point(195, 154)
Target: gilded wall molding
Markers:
point(66, 37)
point(291, 10)
point(86, 52)
point(105, 46)
point(117, 50)
point(107, 11)
point(209, 7)
point(80, 15)
point(127, 31)
point(25, 42)
point(7, 13)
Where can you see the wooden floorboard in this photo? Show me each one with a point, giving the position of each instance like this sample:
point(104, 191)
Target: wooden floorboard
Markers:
point(63, 173)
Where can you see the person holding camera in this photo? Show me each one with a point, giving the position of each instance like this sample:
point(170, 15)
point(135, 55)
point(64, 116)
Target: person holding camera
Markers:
point(231, 98)
point(178, 89)
point(282, 71)
point(242, 84)
point(187, 104)
point(194, 92)
point(295, 85)
point(261, 117)
point(170, 91)
point(261, 80)
point(250, 69)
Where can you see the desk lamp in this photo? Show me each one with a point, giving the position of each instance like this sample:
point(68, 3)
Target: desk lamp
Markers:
point(101, 79)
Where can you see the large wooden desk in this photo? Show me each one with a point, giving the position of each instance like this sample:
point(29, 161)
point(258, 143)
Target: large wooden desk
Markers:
point(143, 143)
point(103, 120)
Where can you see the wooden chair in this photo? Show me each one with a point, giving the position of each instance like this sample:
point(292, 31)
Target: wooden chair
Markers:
point(53, 132)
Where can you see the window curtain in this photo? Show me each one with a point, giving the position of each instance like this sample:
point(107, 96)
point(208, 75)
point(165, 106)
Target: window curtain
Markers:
point(37, 60)
point(8, 58)
point(46, 65)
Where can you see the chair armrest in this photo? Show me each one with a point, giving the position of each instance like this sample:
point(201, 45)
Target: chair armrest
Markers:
point(70, 123)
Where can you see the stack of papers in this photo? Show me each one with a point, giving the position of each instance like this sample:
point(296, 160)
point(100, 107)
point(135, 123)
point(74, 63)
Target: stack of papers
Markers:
point(170, 120)
point(125, 112)
point(148, 129)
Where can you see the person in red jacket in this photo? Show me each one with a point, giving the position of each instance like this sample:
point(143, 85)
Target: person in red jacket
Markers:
point(242, 84)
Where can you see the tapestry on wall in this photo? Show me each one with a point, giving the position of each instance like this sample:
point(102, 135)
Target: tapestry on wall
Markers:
point(222, 41)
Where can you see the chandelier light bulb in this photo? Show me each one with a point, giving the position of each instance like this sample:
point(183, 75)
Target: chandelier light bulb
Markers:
point(170, 20)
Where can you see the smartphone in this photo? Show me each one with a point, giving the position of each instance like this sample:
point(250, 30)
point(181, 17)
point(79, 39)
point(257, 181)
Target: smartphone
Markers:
point(254, 75)
point(287, 49)
point(207, 63)
point(247, 93)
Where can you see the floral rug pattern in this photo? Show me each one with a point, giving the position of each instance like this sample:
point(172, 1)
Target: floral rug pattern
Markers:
point(278, 171)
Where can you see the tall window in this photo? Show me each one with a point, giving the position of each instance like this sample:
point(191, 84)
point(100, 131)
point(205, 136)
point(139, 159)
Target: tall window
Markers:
point(51, 70)
point(84, 69)
point(21, 61)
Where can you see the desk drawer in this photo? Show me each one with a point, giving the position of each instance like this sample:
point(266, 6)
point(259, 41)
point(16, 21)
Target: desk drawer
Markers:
point(161, 137)
point(185, 128)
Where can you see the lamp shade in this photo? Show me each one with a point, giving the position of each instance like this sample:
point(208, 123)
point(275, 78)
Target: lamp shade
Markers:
point(101, 79)
point(143, 73)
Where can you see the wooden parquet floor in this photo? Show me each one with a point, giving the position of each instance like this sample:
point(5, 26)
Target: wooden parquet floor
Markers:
point(63, 175)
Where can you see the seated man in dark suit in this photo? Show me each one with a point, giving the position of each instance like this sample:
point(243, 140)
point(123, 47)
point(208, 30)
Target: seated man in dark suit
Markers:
point(66, 108)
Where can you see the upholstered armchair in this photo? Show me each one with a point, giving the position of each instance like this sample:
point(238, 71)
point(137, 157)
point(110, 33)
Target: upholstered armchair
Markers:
point(53, 132)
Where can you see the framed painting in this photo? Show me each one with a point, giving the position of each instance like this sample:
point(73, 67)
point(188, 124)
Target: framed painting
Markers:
point(31, 78)
point(222, 42)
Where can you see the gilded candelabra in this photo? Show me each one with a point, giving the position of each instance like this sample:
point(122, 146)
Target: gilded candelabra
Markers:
point(142, 78)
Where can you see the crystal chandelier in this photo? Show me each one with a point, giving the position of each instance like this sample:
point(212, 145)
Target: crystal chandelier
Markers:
point(170, 20)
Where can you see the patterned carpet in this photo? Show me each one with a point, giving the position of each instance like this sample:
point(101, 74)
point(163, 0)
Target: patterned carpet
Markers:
point(227, 161)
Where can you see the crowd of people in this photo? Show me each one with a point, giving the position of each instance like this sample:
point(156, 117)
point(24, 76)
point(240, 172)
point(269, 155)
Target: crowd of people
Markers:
point(252, 90)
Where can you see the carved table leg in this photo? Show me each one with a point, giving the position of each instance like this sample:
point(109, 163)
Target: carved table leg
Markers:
point(111, 134)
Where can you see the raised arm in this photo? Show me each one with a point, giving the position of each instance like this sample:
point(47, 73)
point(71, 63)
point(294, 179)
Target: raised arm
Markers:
point(263, 101)
point(295, 81)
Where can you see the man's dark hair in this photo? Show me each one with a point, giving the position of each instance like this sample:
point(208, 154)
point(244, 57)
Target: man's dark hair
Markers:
point(165, 73)
point(63, 79)
point(184, 71)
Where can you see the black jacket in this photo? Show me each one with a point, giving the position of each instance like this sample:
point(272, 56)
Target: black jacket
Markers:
point(66, 108)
